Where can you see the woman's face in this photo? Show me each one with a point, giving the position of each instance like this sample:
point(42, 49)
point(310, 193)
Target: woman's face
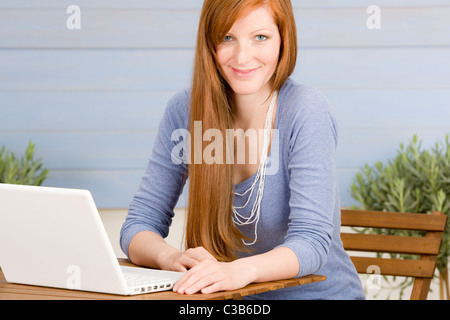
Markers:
point(248, 55)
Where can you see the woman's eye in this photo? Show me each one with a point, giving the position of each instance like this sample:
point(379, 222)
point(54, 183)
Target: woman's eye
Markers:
point(227, 39)
point(261, 38)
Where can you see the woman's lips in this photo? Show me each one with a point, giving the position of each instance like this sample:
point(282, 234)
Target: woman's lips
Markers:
point(244, 73)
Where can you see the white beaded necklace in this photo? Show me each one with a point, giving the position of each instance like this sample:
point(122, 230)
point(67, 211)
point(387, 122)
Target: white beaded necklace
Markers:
point(261, 176)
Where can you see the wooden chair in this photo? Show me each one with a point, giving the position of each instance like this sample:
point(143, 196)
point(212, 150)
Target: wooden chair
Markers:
point(426, 247)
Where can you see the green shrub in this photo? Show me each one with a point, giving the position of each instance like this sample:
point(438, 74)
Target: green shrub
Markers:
point(24, 170)
point(416, 181)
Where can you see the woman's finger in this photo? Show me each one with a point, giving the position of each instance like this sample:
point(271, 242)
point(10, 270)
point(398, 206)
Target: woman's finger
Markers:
point(202, 283)
point(187, 261)
point(215, 287)
point(196, 278)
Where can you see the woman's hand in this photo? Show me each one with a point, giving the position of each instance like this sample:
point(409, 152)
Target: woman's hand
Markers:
point(210, 276)
point(203, 272)
point(183, 261)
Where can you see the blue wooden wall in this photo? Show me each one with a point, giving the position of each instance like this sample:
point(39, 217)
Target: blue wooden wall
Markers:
point(91, 99)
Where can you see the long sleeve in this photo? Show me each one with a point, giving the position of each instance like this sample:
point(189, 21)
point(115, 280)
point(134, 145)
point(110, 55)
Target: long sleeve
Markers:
point(300, 208)
point(312, 184)
point(165, 176)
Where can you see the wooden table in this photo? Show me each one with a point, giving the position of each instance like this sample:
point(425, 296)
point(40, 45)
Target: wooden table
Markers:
point(11, 291)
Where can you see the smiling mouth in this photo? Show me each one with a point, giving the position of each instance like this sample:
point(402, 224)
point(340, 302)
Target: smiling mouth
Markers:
point(244, 73)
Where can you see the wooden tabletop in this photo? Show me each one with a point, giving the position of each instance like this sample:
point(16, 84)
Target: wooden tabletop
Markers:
point(11, 291)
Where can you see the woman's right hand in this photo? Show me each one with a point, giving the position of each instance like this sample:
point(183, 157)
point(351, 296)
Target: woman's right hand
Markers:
point(149, 249)
point(184, 260)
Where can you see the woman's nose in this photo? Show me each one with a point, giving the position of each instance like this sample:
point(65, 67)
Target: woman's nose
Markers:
point(243, 54)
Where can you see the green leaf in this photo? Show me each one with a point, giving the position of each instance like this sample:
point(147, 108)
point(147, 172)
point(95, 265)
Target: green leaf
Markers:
point(415, 180)
point(24, 170)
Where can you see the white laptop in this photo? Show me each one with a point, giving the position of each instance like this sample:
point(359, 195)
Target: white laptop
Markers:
point(54, 237)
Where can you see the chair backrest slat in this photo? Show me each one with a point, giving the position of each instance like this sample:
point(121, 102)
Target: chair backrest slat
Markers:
point(393, 220)
point(394, 267)
point(426, 247)
point(390, 244)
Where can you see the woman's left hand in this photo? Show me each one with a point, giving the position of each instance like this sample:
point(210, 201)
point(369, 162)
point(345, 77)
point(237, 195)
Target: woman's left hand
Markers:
point(211, 276)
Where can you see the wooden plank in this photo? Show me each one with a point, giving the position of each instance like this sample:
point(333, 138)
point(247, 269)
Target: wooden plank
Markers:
point(366, 109)
point(253, 288)
point(422, 286)
point(32, 111)
point(162, 28)
point(95, 70)
point(113, 188)
point(118, 110)
point(395, 267)
point(69, 111)
point(394, 220)
point(18, 291)
point(339, 25)
point(342, 27)
point(45, 112)
point(390, 244)
point(105, 4)
point(354, 150)
point(356, 146)
point(24, 292)
point(105, 110)
point(196, 4)
point(256, 288)
point(99, 29)
point(86, 149)
point(345, 176)
point(380, 68)
point(100, 70)
point(302, 280)
point(109, 188)
point(106, 149)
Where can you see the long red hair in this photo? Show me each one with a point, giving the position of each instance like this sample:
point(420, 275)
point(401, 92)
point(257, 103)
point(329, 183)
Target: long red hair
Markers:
point(210, 218)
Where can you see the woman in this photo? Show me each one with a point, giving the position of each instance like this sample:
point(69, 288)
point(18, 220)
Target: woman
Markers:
point(276, 218)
